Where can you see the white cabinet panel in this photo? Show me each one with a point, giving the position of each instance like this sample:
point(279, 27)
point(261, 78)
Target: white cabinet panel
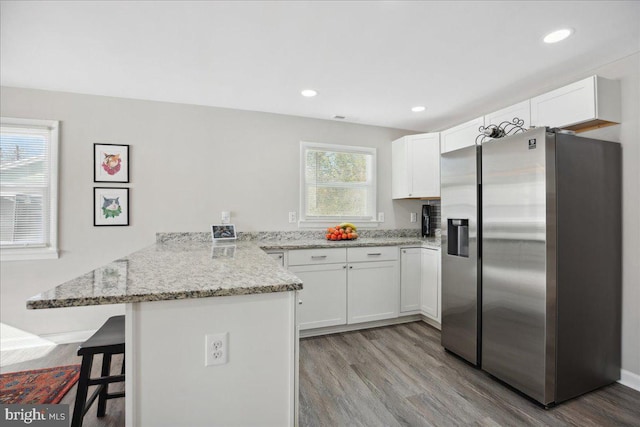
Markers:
point(324, 295)
point(424, 158)
point(415, 164)
point(431, 283)
point(460, 136)
point(400, 168)
point(373, 291)
point(587, 103)
point(373, 253)
point(410, 279)
point(317, 256)
point(521, 110)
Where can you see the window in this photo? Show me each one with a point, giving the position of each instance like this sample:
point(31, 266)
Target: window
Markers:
point(28, 189)
point(338, 182)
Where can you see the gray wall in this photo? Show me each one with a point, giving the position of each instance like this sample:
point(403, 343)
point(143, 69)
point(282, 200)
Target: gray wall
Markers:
point(627, 71)
point(180, 183)
point(188, 163)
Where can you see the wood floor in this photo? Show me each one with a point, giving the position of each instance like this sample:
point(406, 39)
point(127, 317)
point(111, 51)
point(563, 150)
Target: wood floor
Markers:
point(392, 376)
point(401, 376)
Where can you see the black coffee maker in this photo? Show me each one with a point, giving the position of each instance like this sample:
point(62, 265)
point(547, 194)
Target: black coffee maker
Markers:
point(426, 222)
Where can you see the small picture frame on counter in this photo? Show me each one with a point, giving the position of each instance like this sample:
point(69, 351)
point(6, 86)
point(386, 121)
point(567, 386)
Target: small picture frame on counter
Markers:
point(223, 232)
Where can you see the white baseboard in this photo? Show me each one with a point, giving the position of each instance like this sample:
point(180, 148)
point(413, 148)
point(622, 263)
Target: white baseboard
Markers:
point(358, 326)
point(629, 379)
point(430, 321)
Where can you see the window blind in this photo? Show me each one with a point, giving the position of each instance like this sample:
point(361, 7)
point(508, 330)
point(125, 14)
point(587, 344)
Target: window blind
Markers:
point(25, 186)
point(338, 182)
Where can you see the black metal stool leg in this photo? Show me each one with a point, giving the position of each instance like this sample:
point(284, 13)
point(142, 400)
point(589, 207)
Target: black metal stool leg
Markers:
point(106, 371)
point(81, 394)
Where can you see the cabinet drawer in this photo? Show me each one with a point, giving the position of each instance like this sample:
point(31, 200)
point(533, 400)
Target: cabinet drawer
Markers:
point(317, 256)
point(376, 253)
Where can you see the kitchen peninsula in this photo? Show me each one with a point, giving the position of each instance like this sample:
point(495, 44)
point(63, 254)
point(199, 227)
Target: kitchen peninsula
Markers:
point(164, 287)
point(167, 287)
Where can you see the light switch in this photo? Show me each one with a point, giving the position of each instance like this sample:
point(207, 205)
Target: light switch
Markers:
point(225, 217)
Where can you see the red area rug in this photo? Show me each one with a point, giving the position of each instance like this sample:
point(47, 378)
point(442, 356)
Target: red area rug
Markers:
point(38, 387)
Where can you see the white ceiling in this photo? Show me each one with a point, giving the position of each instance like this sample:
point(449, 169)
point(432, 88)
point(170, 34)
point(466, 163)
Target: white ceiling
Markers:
point(369, 61)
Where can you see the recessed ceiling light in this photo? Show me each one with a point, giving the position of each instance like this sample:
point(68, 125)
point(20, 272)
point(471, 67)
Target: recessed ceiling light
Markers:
point(309, 93)
point(558, 35)
point(418, 108)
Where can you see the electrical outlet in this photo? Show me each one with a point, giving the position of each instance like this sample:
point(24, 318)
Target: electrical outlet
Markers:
point(225, 217)
point(414, 217)
point(293, 217)
point(216, 349)
point(380, 216)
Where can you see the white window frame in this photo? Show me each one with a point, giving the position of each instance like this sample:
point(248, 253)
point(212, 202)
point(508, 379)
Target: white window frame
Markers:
point(50, 250)
point(304, 221)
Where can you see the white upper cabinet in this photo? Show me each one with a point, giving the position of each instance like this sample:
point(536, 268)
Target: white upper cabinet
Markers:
point(461, 136)
point(521, 110)
point(587, 104)
point(415, 164)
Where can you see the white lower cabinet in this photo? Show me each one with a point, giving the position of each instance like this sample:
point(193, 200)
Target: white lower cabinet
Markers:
point(430, 289)
point(336, 292)
point(372, 291)
point(323, 296)
point(410, 279)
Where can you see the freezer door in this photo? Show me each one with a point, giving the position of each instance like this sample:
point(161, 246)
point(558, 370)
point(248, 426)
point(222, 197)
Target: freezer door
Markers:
point(518, 199)
point(459, 204)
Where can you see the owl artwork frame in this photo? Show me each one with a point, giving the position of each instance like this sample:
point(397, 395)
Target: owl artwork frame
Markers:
point(110, 163)
point(110, 206)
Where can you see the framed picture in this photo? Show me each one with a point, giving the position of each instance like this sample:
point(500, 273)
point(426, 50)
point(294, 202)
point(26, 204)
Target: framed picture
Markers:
point(110, 163)
point(110, 206)
point(223, 232)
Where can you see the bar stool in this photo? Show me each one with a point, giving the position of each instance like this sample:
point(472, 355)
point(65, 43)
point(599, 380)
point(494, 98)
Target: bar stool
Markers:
point(108, 340)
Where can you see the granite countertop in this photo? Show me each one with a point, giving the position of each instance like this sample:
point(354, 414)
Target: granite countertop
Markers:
point(188, 265)
point(431, 243)
point(174, 270)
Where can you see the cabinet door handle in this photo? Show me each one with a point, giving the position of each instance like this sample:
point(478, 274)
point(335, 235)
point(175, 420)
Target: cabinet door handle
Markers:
point(318, 256)
point(375, 253)
point(280, 256)
point(344, 266)
point(351, 266)
point(299, 302)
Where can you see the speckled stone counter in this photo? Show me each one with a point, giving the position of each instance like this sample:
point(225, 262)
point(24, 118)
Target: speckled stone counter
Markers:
point(188, 265)
point(274, 240)
point(174, 270)
point(269, 245)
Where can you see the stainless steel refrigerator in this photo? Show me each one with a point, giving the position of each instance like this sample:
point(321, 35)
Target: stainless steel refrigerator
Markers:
point(545, 238)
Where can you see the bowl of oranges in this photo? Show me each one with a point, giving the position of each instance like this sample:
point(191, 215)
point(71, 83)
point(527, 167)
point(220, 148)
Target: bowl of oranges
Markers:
point(344, 231)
